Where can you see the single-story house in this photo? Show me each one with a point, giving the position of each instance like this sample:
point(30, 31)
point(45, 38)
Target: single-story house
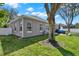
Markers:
point(26, 26)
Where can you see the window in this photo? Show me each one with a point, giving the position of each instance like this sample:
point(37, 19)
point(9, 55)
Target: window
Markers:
point(47, 28)
point(14, 27)
point(41, 27)
point(20, 28)
point(29, 28)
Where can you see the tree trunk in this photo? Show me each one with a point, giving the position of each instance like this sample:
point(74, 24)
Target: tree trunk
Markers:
point(51, 31)
point(51, 20)
point(68, 29)
point(68, 32)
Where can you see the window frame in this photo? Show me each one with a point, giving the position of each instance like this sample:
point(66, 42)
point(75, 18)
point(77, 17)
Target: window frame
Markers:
point(41, 27)
point(15, 27)
point(29, 27)
point(20, 27)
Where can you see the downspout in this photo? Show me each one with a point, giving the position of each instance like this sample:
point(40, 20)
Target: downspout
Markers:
point(22, 27)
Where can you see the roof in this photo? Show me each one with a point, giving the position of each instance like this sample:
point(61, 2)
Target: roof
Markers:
point(16, 19)
point(30, 17)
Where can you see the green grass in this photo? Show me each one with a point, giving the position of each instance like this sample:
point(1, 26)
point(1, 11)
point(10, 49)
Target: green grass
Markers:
point(13, 46)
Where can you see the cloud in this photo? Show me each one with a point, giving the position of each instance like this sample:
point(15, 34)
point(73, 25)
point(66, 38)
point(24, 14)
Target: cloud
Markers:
point(27, 13)
point(30, 9)
point(34, 13)
point(18, 14)
point(13, 5)
point(56, 16)
point(40, 14)
point(41, 8)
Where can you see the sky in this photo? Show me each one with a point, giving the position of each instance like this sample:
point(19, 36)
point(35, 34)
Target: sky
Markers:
point(36, 9)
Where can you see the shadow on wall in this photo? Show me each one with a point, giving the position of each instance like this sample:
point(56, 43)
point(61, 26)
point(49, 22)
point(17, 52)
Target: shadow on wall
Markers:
point(62, 50)
point(12, 43)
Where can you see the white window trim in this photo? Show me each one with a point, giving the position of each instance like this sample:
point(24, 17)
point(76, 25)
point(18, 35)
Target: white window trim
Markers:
point(41, 31)
point(31, 28)
point(21, 22)
point(14, 31)
point(29, 31)
point(41, 27)
point(20, 31)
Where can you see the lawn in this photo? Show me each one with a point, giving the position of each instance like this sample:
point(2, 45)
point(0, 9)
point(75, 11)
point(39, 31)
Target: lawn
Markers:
point(35, 46)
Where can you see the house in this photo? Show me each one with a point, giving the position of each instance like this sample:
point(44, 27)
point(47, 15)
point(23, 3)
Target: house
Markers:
point(26, 26)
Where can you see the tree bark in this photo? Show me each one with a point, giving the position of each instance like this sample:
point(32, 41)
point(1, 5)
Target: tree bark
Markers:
point(51, 33)
point(51, 29)
point(51, 20)
point(68, 29)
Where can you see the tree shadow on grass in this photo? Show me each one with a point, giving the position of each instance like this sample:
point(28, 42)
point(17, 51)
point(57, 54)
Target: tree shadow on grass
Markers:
point(12, 43)
point(62, 50)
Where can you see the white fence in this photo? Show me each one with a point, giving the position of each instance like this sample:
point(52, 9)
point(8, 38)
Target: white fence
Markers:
point(73, 30)
point(5, 31)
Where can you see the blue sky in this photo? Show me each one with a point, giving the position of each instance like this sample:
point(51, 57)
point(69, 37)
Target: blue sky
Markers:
point(36, 9)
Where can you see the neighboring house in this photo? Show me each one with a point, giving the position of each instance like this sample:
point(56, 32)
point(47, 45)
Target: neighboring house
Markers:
point(26, 26)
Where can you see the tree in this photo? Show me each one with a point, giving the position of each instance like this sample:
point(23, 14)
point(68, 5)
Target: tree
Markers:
point(1, 4)
point(77, 25)
point(3, 17)
point(68, 12)
point(12, 13)
point(6, 14)
point(51, 10)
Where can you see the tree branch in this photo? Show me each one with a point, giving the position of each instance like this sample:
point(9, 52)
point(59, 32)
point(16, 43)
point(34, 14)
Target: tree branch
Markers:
point(63, 17)
point(47, 8)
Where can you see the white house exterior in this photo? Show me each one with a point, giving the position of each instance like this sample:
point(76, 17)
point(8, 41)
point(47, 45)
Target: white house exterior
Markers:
point(26, 26)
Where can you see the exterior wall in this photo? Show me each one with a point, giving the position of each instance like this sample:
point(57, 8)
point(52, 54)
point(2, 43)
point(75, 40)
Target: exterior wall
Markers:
point(17, 26)
point(35, 27)
point(24, 33)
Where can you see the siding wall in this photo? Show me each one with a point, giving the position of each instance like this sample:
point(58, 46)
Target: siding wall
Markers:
point(17, 26)
point(35, 27)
